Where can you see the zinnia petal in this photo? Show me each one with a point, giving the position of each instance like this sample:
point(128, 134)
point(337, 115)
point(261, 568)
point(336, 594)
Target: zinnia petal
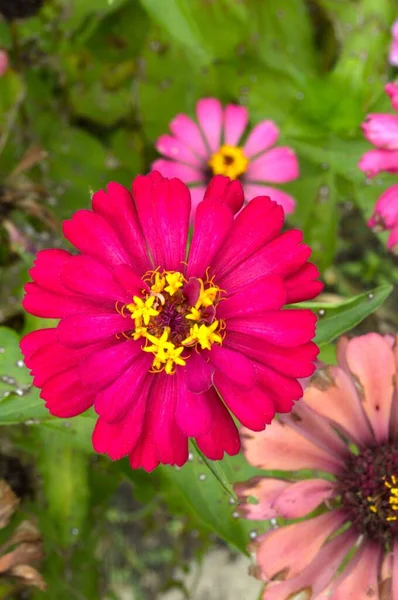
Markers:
point(210, 116)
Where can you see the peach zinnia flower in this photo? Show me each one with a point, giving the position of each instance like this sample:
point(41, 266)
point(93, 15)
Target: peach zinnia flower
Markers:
point(154, 330)
point(213, 146)
point(345, 430)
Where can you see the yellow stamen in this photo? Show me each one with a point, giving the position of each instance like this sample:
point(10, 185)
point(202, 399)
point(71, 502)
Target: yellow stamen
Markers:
point(142, 310)
point(229, 161)
point(175, 281)
point(158, 284)
point(205, 335)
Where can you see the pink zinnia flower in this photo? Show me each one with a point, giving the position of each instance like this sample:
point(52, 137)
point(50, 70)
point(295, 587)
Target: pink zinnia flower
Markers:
point(393, 54)
point(154, 335)
point(214, 146)
point(3, 62)
point(344, 430)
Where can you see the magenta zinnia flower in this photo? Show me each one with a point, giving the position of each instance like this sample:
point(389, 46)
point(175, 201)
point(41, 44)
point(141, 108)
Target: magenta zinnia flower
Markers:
point(154, 335)
point(213, 146)
point(344, 430)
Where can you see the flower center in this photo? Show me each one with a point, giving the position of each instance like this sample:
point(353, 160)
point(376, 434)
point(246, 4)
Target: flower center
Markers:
point(369, 492)
point(175, 316)
point(229, 161)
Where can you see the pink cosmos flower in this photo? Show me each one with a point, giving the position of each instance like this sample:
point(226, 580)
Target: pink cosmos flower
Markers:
point(215, 146)
point(3, 62)
point(345, 431)
point(153, 335)
point(393, 54)
point(385, 216)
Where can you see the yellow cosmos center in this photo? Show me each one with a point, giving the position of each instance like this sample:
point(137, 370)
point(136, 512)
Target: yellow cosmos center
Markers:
point(229, 161)
point(175, 316)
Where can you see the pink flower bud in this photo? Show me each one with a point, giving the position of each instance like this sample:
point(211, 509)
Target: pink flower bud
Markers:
point(392, 90)
point(385, 213)
point(3, 62)
point(375, 161)
point(381, 130)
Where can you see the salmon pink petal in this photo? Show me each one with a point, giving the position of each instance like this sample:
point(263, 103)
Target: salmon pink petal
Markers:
point(285, 328)
point(235, 122)
point(293, 362)
point(304, 284)
point(35, 340)
point(81, 329)
point(91, 234)
point(224, 190)
point(262, 136)
point(331, 393)
point(119, 439)
point(87, 276)
point(223, 436)
point(267, 294)
point(283, 448)
point(108, 362)
point(43, 303)
point(282, 256)
point(395, 572)
point(199, 373)
point(210, 116)
point(176, 149)
point(314, 579)
point(283, 199)
point(126, 389)
point(170, 443)
point(297, 544)
point(213, 221)
point(47, 269)
point(194, 414)
point(234, 365)
point(163, 209)
point(233, 252)
point(278, 165)
point(359, 579)
point(186, 130)
point(265, 490)
point(371, 360)
point(278, 498)
point(316, 430)
point(172, 168)
point(129, 279)
point(116, 206)
point(254, 409)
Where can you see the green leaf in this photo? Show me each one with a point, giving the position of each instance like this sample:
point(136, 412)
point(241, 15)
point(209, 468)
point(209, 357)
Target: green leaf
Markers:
point(207, 30)
point(336, 319)
point(284, 37)
point(64, 471)
point(204, 495)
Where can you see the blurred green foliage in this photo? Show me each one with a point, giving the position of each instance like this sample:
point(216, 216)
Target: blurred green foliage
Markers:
point(91, 85)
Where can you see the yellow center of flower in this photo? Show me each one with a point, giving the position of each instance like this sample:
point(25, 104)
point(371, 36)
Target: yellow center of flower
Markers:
point(386, 507)
point(229, 161)
point(175, 317)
